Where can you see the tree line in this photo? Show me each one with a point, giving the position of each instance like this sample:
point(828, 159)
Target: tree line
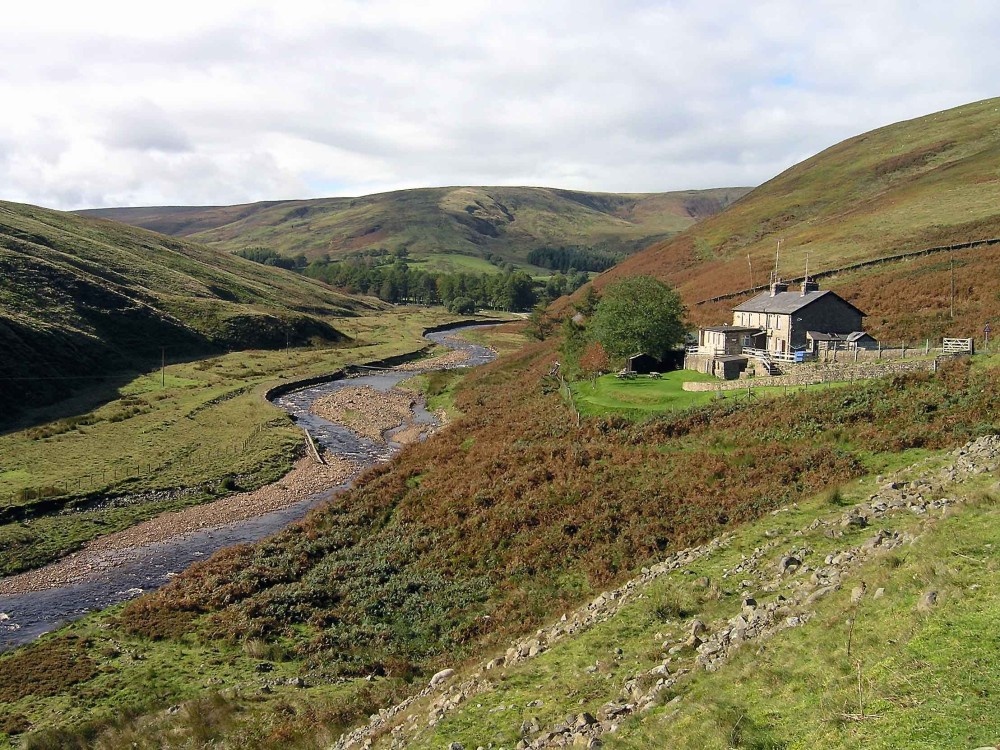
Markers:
point(391, 277)
point(566, 259)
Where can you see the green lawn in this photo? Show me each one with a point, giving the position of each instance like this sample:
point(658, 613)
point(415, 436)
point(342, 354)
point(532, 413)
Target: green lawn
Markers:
point(645, 396)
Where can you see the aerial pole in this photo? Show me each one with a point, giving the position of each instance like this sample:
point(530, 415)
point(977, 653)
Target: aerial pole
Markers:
point(750, 264)
point(774, 275)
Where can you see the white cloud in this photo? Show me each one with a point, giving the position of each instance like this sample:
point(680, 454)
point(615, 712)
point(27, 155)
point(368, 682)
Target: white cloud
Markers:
point(115, 103)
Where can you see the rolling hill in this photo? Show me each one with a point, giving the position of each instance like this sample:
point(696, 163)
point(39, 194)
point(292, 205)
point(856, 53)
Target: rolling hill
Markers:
point(486, 549)
point(923, 183)
point(81, 299)
point(439, 223)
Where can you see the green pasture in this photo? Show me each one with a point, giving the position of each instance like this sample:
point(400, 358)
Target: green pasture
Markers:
point(200, 429)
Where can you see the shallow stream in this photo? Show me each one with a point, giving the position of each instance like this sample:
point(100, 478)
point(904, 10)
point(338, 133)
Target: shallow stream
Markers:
point(23, 617)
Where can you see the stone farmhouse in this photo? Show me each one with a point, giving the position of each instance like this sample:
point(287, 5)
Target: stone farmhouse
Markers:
point(779, 326)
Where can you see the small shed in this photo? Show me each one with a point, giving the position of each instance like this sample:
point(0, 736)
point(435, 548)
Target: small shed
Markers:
point(643, 364)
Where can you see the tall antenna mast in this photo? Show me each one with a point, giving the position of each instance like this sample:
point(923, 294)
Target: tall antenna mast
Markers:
point(807, 266)
point(774, 275)
point(749, 263)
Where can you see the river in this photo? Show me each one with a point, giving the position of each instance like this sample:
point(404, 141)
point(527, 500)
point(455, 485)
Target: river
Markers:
point(24, 617)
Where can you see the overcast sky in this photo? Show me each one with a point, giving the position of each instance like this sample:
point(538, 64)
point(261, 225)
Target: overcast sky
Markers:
point(217, 102)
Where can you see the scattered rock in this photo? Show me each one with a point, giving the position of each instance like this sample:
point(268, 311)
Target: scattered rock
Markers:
point(927, 601)
point(441, 676)
point(789, 564)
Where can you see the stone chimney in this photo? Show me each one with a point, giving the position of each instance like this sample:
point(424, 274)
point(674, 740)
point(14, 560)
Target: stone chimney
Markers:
point(808, 285)
point(777, 287)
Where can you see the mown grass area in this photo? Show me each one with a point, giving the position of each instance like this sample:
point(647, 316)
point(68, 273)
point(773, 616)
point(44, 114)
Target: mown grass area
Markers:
point(926, 677)
point(643, 396)
point(205, 431)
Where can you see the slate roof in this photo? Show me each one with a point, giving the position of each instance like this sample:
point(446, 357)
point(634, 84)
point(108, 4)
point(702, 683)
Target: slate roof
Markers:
point(786, 303)
point(855, 336)
point(734, 329)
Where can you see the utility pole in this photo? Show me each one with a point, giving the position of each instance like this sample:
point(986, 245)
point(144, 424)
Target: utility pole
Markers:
point(163, 367)
point(953, 288)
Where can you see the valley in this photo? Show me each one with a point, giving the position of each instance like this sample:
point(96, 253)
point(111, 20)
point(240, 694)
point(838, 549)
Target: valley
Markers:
point(547, 554)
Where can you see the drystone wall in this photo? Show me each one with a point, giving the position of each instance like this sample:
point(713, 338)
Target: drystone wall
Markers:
point(811, 374)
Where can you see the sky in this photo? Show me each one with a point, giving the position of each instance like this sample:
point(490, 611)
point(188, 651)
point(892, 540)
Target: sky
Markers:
point(111, 103)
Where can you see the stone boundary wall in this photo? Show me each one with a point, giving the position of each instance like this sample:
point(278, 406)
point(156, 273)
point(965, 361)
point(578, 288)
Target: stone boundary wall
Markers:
point(822, 373)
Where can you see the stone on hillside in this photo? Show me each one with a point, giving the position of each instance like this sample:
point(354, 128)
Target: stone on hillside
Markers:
point(709, 647)
point(819, 594)
point(788, 564)
point(858, 593)
point(928, 601)
point(703, 583)
point(697, 627)
point(584, 720)
point(533, 726)
point(879, 593)
point(854, 519)
point(456, 746)
point(441, 676)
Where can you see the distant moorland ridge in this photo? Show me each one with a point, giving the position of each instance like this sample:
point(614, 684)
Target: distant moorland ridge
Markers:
point(479, 222)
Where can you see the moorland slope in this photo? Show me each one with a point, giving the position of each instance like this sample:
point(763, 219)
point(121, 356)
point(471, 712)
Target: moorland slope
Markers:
point(927, 182)
point(520, 511)
point(83, 298)
point(506, 222)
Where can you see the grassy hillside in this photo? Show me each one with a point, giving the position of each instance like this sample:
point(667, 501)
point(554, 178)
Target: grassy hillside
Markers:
point(82, 298)
point(421, 567)
point(436, 223)
point(926, 182)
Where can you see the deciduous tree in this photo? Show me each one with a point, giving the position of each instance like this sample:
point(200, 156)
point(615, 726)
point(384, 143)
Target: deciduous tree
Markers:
point(638, 315)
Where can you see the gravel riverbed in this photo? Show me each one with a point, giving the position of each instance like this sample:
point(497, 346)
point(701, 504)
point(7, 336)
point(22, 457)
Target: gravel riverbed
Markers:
point(112, 550)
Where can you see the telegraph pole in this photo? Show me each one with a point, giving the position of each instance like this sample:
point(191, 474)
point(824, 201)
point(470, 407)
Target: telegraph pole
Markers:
point(163, 367)
point(953, 288)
